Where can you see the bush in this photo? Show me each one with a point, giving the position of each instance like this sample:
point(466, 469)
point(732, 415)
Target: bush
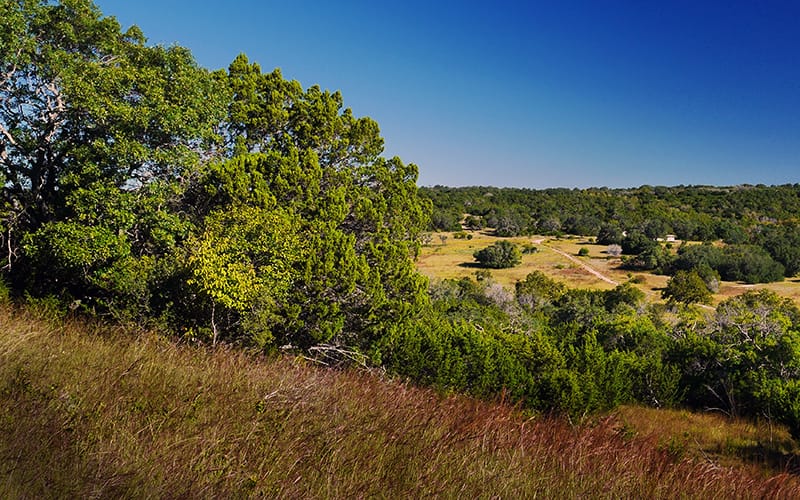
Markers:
point(687, 287)
point(501, 255)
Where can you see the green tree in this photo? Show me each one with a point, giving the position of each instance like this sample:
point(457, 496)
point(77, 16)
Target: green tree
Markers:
point(538, 290)
point(500, 255)
point(609, 234)
point(98, 131)
point(637, 242)
point(686, 287)
point(627, 294)
point(746, 360)
point(243, 262)
point(358, 214)
point(783, 244)
point(82, 100)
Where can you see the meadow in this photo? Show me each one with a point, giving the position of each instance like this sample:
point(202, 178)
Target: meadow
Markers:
point(94, 411)
point(558, 258)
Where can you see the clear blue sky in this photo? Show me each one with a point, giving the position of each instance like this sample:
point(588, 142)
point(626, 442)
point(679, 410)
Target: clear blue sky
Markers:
point(532, 94)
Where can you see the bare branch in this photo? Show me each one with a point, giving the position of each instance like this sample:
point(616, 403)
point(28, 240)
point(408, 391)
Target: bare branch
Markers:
point(338, 354)
point(108, 59)
point(55, 111)
point(10, 139)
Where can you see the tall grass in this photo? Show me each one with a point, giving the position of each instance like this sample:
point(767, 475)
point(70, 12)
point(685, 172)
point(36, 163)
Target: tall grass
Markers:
point(88, 411)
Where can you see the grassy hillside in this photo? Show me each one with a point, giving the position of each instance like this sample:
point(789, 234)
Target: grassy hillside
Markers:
point(88, 411)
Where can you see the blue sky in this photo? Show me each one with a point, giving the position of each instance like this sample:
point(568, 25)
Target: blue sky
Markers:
point(532, 94)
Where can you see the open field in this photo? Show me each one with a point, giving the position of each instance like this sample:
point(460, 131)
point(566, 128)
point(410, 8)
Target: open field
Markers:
point(453, 259)
point(558, 258)
point(92, 412)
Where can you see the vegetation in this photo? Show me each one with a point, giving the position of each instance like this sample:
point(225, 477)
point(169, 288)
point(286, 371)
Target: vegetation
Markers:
point(89, 411)
point(500, 255)
point(235, 208)
point(229, 205)
point(687, 287)
point(762, 218)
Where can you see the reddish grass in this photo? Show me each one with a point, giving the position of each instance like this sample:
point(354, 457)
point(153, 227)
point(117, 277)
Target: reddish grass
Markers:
point(91, 412)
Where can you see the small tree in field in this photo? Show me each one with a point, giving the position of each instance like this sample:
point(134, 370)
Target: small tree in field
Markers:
point(687, 287)
point(501, 255)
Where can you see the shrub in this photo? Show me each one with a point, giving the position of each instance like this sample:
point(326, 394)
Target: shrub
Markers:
point(687, 287)
point(614, 250)
point(501, 255)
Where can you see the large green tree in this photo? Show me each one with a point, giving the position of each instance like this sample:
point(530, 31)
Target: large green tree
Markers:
point(99, 133)
point(357, 213)
point(82, 100)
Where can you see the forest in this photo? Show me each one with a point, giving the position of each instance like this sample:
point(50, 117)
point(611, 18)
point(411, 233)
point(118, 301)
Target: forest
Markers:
point(236, 208)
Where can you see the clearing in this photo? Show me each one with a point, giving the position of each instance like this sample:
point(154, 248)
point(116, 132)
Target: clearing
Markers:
point(450, 257)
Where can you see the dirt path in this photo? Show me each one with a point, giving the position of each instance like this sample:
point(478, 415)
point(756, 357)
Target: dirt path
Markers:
point(584, 265)
point(598, 273)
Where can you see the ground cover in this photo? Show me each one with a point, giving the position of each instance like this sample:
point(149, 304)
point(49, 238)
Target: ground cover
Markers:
point(91, 411)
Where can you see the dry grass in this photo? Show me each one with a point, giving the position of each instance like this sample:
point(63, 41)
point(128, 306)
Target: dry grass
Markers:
point(88, 412)
point(716, 438)
point(453, 259)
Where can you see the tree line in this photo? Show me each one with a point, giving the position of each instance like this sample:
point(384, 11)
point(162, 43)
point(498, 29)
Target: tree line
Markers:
point(757, 224)
point(698, 213)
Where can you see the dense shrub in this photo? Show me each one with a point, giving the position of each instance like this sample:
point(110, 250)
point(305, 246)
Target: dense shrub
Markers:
point(500, 255)
point(745, 360)
point(686, 287)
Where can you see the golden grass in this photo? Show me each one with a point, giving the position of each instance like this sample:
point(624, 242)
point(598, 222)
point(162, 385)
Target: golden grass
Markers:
point(89, 412)
point(715, 438)
point(453, 259)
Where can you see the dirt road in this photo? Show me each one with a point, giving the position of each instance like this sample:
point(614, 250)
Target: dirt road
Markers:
point(584, 265)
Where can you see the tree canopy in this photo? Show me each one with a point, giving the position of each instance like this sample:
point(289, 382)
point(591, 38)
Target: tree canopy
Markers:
point(140, 185)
